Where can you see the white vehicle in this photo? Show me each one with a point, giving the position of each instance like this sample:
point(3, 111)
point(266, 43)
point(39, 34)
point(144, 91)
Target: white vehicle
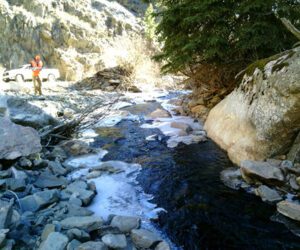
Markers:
point(24, 73)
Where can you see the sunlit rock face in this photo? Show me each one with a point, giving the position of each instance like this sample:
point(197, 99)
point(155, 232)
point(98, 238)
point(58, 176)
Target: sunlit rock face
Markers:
point(70, 35)
point(261, 118)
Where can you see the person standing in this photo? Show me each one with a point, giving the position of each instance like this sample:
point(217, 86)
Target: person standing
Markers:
point(37, 66)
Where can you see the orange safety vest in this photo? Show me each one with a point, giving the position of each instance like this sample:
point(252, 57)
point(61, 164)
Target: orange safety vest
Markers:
point(37, 67)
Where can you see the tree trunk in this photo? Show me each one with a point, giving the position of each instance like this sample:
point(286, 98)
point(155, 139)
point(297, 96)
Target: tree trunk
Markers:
point(291, 27)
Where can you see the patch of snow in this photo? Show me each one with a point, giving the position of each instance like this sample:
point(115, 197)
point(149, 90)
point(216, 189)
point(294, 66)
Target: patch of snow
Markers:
point(86, 161)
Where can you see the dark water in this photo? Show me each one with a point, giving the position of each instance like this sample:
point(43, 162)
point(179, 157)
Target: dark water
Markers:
point(202, 212)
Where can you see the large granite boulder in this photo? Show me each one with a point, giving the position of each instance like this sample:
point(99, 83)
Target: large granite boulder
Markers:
point(17, 141)
point(261, 118)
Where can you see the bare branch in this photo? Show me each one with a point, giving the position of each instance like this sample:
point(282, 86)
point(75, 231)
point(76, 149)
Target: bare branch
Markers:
point(291, 27)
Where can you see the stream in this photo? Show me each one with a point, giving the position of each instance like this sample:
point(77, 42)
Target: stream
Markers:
point(173, 182)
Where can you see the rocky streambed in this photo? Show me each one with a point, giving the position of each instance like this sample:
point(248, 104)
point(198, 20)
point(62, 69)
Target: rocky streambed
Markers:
point(137, 177)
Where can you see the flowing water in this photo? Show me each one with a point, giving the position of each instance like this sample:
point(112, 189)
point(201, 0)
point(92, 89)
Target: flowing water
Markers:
point(196, 211)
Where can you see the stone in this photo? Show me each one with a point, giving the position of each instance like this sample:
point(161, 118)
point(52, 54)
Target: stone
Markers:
point(46, 180)
point(125, 223)
point(92, 245)
point(183, 126)
point(200, 111)
point(254, 171)
point(54, 241)
point(16, 184)
point(162, 246)
point(73, 245)
point(293, 182)
point(39, 200)
point(5, 174)
point(294, 153)
point(94, 174)
point(26, 114)
point(9, 244)
point(80, 189)
point(25, 163)
point(267, 194)
point(114, 241)
point(74, 200)
point(289, 209)
point(6, 213)
point(248, 121)
point(74, 210)
point(48, 229)
point(144, 238)
point(87, 223)
point(76, 147)
point(3, 233)
point(58, 153)
point(232, 178)
point(57, 168)
point(286, 164)
point(77, 234)
point(17, 141)
point(159, 113)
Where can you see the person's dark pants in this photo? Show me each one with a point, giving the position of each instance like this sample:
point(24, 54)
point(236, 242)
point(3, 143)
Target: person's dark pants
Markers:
point(37, 85)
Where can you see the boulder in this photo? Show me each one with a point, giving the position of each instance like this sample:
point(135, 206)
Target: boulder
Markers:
point(39, 200)
point(254, 171)
point(92, 245)
point(159, 113)
point(55, 241)
point(115, 241)
point(289, 209)
point(143, 238)
point(268, 194)
point(261, 117)
point(87, 223)
point(23, 113)
point(125, 223)
point(17, 141)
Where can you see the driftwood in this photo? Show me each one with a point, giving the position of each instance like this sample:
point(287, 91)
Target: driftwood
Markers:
point(65, 130)
point(291, 27)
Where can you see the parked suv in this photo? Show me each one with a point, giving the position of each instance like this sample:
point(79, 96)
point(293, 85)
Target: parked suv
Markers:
point(24, 73)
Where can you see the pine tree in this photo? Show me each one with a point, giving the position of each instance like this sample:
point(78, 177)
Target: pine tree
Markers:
point(150, 23)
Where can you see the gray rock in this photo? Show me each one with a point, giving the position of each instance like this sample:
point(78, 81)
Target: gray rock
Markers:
point(46, 180)
point(9, 245)
point(74, 200)
point(73, 245)
point(92, 245)
point(254, 171)
point(2, 183)
point(79, 188)
point(39, 200)
point(144, 238)
point(232, 178)
point(183, 126)
point(48, 229)
point(293, 182)
point(5, 174)
point(74, 210)
point(56, 168)
point(16, 184)
point(25, 163)
point(268, 194)
point(294, 154)
point(163, 246)
point(125, 223)
point(6, 213)
point(76, 147)
point(3, 233)
point(115, 240)
point(87, 223)
point(286, 164)
point(17, 141)
point(26, 114)
point(94, 174)
point(58, 153)
point(159, 113)
point(55, 241)
point(77, 234)
point(289, 209)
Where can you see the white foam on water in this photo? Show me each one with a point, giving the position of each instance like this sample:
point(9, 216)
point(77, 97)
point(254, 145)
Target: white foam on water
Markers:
point(122, 195)
point(120, 105)
point(86, 161)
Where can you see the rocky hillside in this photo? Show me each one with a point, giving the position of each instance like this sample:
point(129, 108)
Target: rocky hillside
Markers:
point(70, 35)
point(261, 118)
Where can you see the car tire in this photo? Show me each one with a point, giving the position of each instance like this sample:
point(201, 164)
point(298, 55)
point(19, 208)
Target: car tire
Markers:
point(19, 78)
point(51, 78)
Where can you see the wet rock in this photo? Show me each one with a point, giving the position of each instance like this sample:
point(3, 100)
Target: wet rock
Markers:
point(159, 113)
point(77, 234)
point(92, 245)
point(73, 245)
point(289, 209)
point(268, 194)
point(232, 178)
point(76, 147)
point(115, 240)
point(46, 180)
point(39, 200)
point(48, 229)
point(163, 246)
point(87, 223)
point(55, 241)
point(6, 213)
point(254, 171)
point(17, 141)
point(144, 238)
point(125, 223)
point(183, 126)
point(16, 184)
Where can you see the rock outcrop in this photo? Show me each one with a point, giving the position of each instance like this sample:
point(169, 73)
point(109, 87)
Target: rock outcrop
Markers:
point(70, 35)
point(261, 118)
